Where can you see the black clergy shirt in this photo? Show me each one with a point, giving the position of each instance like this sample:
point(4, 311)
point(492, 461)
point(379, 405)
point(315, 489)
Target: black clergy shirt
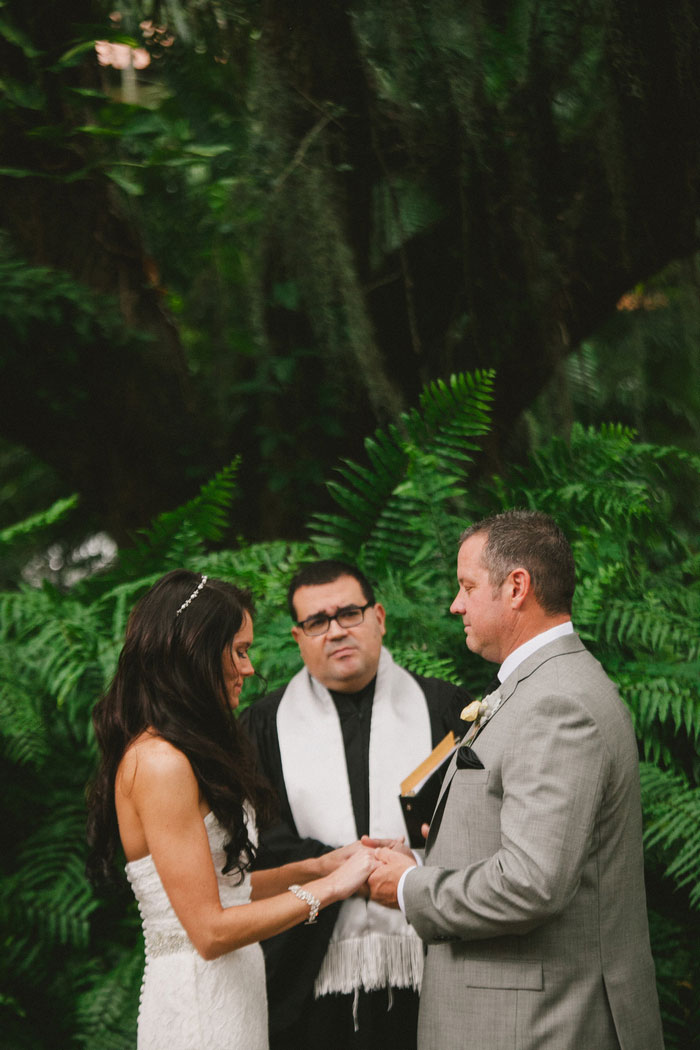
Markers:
point(355, 714)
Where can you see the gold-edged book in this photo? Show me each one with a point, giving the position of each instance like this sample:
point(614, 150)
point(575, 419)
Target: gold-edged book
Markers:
point(420, 789)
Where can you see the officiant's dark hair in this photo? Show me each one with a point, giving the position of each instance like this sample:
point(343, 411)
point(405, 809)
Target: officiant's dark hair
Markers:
point(327, 570)
point(170, 679)
point(533, 540)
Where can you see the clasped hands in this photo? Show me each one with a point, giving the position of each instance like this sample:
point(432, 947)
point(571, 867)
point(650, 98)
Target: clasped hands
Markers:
point(392, 857)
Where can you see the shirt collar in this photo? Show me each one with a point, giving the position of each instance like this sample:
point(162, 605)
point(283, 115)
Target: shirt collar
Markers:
point(515, 658)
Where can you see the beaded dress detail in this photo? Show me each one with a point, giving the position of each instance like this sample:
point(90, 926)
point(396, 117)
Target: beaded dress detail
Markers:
point(188, 1003)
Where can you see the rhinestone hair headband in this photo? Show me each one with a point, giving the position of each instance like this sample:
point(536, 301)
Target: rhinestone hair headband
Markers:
point(192, 597)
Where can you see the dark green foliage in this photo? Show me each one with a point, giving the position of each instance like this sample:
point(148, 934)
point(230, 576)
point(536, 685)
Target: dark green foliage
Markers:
point(640, 367)
point(673, 818)
point(178, 537)
point(313, 215)
point(43, 520)
point(415, 477)
point(106, 1012)
point(638, 597)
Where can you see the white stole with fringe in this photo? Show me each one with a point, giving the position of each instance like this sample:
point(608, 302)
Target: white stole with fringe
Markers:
point(371, 946)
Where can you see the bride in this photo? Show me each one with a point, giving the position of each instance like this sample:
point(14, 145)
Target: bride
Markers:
point(176, 786)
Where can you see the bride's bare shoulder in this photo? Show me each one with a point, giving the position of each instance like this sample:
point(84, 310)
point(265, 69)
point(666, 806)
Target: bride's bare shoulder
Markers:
point(148, 756)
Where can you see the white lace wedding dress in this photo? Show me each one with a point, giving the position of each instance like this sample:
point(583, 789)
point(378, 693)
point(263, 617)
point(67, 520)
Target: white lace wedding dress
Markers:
point(186, 1002)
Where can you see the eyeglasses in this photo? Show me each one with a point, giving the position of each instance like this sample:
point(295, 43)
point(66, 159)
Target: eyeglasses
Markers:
point(350, 616)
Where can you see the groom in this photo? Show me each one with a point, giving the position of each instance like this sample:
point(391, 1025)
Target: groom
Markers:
point(531, 900)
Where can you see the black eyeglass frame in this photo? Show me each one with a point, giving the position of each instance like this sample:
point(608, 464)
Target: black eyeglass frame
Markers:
point(339, 615)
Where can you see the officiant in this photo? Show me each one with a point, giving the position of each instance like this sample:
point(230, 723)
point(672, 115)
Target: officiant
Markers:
point(336, 742)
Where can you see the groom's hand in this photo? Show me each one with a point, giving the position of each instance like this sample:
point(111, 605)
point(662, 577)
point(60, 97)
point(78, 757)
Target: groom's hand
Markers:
point(385, 878)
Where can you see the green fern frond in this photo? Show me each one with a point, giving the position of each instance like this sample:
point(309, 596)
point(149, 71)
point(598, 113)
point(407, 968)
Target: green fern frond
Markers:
point(65, 652)
point(650, 624)
point(265, 568)
point(672, 811)
point(106, 1010)
point(415, 465)
point(31, 527)
point(24, 736)
point(23, 610)
point(47, 903)
point(179, 535)
point(669, 697)
point(603, 479)
point(455, 432)
point(424, 662)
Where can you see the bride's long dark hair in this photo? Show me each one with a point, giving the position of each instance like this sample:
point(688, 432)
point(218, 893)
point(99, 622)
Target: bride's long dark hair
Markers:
point(170, 679)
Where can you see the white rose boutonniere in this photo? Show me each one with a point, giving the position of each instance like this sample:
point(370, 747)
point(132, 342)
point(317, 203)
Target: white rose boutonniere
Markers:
point(478, 713)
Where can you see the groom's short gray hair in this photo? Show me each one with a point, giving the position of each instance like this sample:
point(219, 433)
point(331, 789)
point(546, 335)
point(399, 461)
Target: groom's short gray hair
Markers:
point(531, 540)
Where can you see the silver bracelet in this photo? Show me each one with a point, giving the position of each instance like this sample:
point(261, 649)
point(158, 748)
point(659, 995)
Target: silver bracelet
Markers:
point(308, 898)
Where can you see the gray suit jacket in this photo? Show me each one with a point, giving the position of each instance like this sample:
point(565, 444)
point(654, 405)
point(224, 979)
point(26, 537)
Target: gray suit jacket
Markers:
point(532, 899)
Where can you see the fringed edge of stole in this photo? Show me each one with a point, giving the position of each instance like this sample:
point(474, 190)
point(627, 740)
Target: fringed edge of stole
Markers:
point(371, 962)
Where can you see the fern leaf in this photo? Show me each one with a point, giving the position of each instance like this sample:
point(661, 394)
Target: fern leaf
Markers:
point(415, 464)
point(187, 527)
point(37, 523)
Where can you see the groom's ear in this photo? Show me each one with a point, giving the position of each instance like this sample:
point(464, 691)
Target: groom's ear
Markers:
point(519, 587)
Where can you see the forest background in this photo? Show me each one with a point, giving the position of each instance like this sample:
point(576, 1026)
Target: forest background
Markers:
point(285, 278)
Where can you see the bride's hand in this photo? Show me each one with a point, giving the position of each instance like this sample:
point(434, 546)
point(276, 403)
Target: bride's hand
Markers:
point(353, 873)
point(336, 857)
